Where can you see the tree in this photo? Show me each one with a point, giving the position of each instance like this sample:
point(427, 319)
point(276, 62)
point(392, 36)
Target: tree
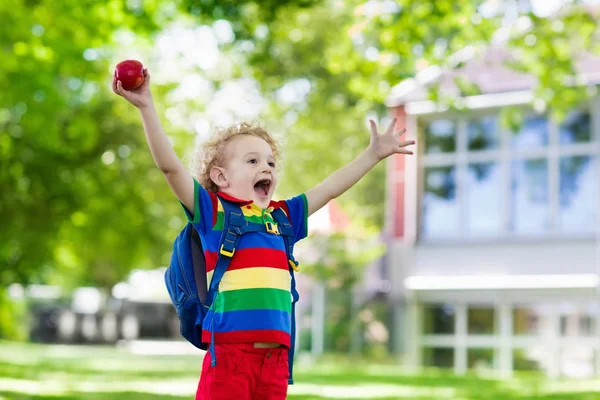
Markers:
point(81, 200)
point(70, 173)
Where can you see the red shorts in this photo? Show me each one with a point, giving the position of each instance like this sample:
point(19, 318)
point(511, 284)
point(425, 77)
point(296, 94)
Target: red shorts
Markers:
point(244, 373)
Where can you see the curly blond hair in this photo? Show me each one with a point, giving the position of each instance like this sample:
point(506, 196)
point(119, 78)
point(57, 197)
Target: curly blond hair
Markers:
point(210, 153)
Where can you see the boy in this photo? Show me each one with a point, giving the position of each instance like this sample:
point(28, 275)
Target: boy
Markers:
point(249, 320)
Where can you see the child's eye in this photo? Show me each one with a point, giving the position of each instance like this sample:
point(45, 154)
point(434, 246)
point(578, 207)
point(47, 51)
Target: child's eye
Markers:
point(272, 164)
point(252, 161)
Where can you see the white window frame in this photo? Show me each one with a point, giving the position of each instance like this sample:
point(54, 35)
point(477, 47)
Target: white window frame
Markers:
point(505, 155)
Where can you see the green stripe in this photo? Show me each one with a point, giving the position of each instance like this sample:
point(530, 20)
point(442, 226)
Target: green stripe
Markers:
point(252, 219)
point(219, 224)
point(253, 299)
point(305, 233)
point(259, 220)
point(269, 217)
point(196, 202)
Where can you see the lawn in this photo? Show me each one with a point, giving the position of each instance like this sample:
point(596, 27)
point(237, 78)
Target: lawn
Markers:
point(42, 372)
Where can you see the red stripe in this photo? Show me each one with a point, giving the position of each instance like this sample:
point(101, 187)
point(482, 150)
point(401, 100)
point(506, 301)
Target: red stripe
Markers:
point(211, 259)
point(265, 336)
point(248, 258)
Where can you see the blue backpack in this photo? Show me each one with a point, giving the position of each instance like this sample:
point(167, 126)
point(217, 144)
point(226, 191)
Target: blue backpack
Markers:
point(186, 282)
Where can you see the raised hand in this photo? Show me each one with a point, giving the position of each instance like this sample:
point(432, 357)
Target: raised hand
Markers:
point(140, 97)
point(388, 143)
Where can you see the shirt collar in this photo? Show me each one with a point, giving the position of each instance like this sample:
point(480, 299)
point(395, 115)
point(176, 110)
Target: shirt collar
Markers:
point(272, 204)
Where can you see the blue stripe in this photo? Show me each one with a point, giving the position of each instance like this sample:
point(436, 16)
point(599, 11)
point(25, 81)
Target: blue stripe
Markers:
point(249, 320)
point(251, 240)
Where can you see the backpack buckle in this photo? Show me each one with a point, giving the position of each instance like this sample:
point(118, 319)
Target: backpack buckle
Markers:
point(271, 228)
point(294, 265)
point(227, 253)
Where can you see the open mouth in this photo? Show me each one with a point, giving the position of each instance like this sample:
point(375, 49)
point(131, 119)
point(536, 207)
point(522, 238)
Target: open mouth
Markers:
point(262, 187)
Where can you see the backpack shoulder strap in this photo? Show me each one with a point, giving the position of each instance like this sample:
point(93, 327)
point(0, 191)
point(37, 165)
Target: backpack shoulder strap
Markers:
point(199, 265)
point(287, 232)
point(233, 220)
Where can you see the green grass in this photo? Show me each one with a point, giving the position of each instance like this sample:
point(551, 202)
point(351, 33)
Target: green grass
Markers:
point(42, 372)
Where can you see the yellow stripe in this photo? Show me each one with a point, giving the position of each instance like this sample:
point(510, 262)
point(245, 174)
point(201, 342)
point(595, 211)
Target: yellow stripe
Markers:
point(254, 211)
point(254, 278)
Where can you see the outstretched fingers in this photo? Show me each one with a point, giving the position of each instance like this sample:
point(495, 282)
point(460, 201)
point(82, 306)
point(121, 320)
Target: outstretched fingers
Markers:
point(403, 144)
point(374, 132)
point(399, 133)
point(391, 126)
point(400, 150)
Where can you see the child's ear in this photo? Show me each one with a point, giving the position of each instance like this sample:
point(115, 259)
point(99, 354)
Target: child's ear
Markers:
point(217, 175)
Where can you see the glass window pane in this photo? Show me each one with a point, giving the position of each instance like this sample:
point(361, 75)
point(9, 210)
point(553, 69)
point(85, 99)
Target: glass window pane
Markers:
point(480, 320)
point(533, 319)
point(530, 196)
point(438, 357)
point(577, 324)
point(533, 133)
point(578, 193)
point(440, 206)
point(526, 321)
point(440, 137)
point(480, 359)
point(484, 194)
point(482, 133)
point(438, 319)
point(530, 359)
point(576, 128)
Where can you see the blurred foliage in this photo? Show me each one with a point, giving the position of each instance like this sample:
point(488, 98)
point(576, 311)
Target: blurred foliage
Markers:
point(76, 189)
point(339, 261)
point(82, 202)
point(13, 317)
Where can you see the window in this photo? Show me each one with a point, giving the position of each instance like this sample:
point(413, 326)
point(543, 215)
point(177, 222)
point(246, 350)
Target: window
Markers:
point(525, 321)
point(483, 134)
point(440, 206)
point(479, 359)
point(438, 319)
point(440, 137)
point(531, 359)
point(576, 128)
point(533, 134)
point(438, 357)
point(530, 196)
point(483, 195)
point(578, 193)
point(533, 319)
point(480, 321)
point(577, 324)
point(480, 180)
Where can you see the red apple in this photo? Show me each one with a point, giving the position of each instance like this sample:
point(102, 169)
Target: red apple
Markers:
point(130, 73)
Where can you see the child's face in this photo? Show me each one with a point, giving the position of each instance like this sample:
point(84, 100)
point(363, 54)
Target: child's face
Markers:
point(249, 170)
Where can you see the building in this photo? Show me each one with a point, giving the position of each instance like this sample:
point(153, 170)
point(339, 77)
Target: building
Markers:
point(494, 253)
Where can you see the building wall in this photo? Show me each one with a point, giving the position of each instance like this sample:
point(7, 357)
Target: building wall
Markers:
point(551, 323)
point(519, 258)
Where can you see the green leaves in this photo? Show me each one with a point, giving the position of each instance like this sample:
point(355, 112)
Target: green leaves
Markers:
point(81, 199)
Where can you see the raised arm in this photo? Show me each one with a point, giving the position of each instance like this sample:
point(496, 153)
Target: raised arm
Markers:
point(380, 147)
point(165, 158)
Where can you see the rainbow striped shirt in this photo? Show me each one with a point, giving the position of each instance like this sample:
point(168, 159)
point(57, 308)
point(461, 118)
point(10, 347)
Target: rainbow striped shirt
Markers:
point(254, 299)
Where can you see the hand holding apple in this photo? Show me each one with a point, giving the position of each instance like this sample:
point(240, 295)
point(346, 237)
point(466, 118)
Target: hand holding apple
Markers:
point(132, 81)
point(130, 73)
